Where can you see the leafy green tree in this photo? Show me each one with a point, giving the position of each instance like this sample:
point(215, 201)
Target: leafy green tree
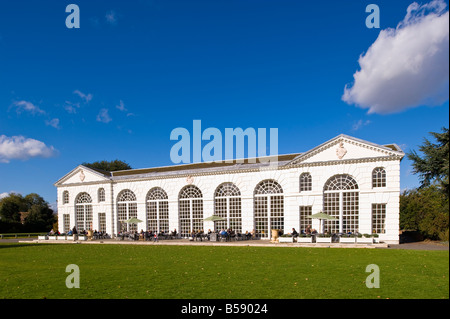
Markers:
point(11, 206)
point(433, 167)
point(425, 210)
point(39, 215)
point(109, 166)
point(39, 218)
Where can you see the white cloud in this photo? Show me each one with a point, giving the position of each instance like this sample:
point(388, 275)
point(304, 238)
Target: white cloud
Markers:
point(6, 194)
point(71, 107)
point(54, 123)
point(407, 66)
point(357, 125)
point(103, 116)
point(28, 107)
point(111, 17)
point(121, 106)
point(3, 195)
point(85, 97)
point(19, 147)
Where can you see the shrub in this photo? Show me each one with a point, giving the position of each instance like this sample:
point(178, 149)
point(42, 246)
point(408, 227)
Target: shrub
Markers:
point(444, 235)
point(425, 210)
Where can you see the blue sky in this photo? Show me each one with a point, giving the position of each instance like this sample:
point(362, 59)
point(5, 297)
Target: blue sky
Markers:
point(116, 87)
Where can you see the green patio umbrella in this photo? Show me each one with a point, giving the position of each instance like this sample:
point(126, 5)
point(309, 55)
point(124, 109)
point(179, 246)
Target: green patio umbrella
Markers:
point(214, 218)
point(133, 220)
point(321, 216)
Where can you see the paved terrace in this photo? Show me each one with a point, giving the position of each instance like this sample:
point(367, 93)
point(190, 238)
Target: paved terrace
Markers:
point(243, 243)
point(421, 245)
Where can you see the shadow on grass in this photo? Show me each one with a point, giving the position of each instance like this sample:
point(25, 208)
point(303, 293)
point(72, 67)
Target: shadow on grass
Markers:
point(19, 245)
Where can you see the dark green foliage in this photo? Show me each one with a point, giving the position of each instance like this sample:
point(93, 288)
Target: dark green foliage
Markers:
point(11, 206)
point(109, 166)
point(38, 215)
point(425, 210)
point(433, 167)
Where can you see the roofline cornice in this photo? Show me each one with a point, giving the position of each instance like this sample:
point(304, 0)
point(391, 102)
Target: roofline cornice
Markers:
point(349, 140)
point(242, 171)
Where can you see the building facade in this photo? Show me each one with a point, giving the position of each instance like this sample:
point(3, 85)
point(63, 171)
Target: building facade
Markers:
point(355, 181)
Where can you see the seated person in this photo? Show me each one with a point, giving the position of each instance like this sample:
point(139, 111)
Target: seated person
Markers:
point(200, 234)
point(308, 230)
point(223, 234)
point(294, 233)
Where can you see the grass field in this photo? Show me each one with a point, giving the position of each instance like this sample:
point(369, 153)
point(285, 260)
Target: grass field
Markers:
point(202, 272)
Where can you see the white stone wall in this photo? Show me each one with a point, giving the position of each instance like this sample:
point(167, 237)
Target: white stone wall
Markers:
point(246, 182)
point(97, 207)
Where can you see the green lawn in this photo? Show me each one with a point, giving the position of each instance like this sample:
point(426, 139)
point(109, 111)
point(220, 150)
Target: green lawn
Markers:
point(187, 272)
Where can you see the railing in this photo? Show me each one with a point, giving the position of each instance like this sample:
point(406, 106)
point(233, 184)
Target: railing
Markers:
point(20, 235)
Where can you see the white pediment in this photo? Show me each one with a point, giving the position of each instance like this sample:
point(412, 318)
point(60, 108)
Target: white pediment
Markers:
point(80, 175)
point(344, 147)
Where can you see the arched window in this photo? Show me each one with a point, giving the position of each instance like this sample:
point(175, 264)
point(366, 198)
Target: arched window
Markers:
point(157, 210)
point(227, 204)
point(66, 197)
point(268, 207)
point(379, 177)
point(101, 195)
point(190, 203)
point(305, 182)
point(126, 209)
point(341, 200)
point(83, 212)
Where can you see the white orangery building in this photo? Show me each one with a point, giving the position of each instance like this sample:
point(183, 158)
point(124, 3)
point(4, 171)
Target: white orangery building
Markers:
point(356, 181)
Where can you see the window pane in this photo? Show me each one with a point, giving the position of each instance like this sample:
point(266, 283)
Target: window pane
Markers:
point(378, 218)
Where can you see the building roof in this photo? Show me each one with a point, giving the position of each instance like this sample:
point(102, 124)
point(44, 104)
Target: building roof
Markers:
point(204, 167)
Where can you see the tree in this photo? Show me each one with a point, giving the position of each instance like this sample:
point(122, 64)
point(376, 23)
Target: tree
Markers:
point(39, 218)
point(11, 206)
point(433, 167)
point(39, 215)
point(109, 166)
point(425, 210)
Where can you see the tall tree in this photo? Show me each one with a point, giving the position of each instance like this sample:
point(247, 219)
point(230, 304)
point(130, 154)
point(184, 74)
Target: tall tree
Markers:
point(39, 218)
point(11, 206)
point(433, 167)
point(109, 166)
point(425, 210)
point(39, 215)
